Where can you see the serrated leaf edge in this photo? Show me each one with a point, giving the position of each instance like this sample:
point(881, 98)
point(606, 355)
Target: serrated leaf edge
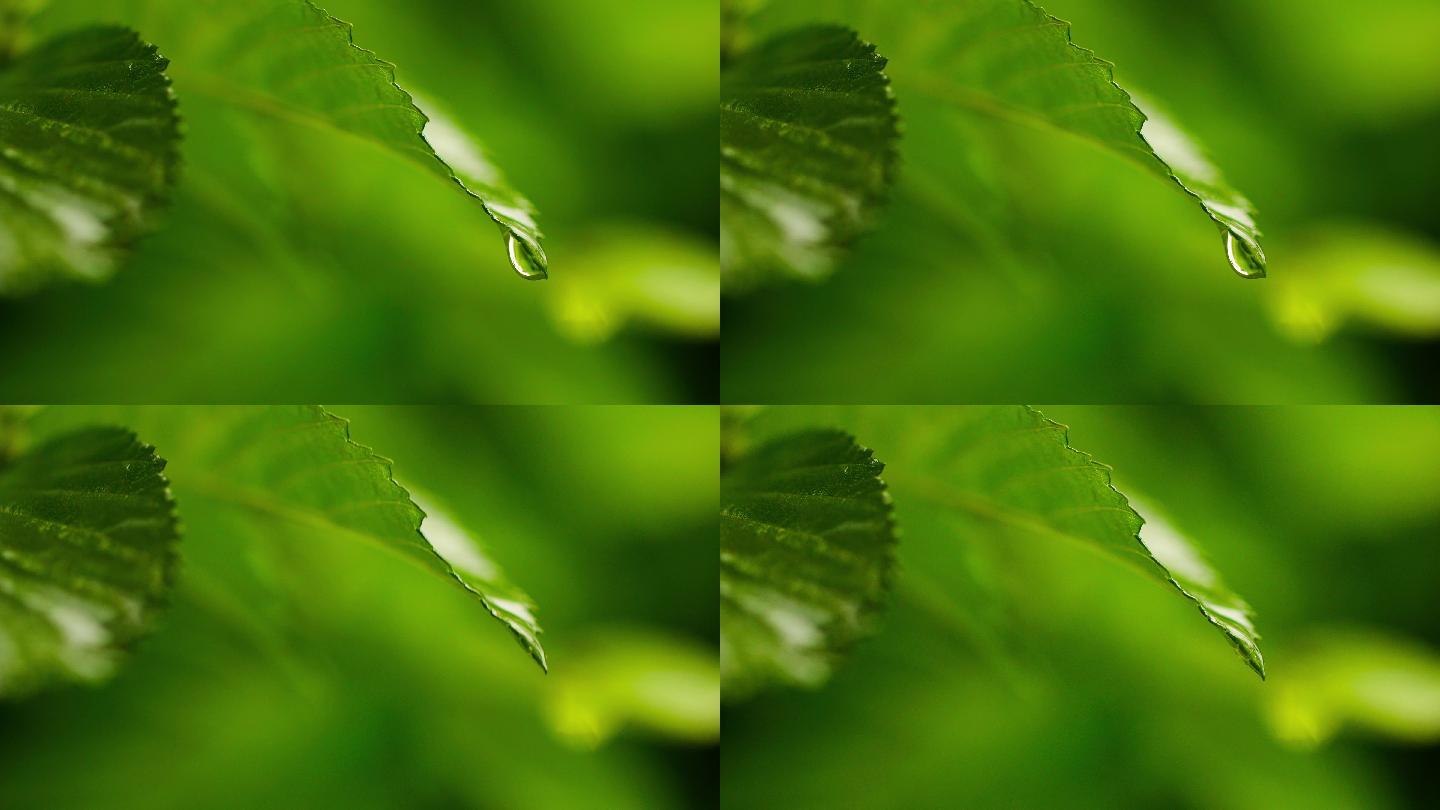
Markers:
point(536, 652)
point(1109, 69)
point(389, 70)
point(873, 200)
point(1255, 662)
point(870, 605)
point(155, 605)
point(155, 203)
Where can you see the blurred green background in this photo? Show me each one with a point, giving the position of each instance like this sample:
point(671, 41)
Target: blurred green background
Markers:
point(294, 671)
point(298, 264)
point(1037, 267)
point(1014, 671)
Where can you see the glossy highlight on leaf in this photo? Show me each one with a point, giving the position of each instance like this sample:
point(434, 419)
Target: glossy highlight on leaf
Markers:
point(89, 150)
point(808, 135)
point(1012, 468)
point(1011, 59)
point(87, 555)
point(290, 59)
point(482, 576)
point(297, 465)
point(1195, 577)
point(806, 547)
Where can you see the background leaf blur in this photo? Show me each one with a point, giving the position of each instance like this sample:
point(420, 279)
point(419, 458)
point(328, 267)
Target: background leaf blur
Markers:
point(298, 265)
point(987, 474)
point(1063, 273)
point(342, 679)
point(297, 466)
point(1067, 681)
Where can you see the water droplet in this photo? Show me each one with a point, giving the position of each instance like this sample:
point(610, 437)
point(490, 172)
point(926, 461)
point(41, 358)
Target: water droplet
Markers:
point(525, 261)
point(1245, 256)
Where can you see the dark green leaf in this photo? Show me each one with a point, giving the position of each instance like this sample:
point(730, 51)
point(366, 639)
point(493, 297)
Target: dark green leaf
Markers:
point(808, 133)
point(89, 142)
point(1009, 58)
point(1011, 468)
point(806, 546)
point(87, 555)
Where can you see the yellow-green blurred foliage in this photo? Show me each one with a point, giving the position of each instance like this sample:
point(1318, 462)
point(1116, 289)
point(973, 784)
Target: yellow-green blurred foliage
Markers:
point(1018, 671)
point(295, 669)
point(297, 263)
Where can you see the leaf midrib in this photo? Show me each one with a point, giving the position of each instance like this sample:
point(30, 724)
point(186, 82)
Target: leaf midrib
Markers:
point(266, 504)
point(218, 87)
point(946, 92)
point(941, 494)
point(260, 501)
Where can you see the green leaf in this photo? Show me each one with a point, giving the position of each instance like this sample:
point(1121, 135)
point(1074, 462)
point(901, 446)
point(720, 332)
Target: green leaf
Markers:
point(1010, 59)
point(462, 158)
point(482, 576)
point(298, 60)
point(808, 135)
point(297, 465)
point(806, 547)
point(1011, 468)
point(1195, 577)
point(87, 555)
point(89, 149)
point(289, 60)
